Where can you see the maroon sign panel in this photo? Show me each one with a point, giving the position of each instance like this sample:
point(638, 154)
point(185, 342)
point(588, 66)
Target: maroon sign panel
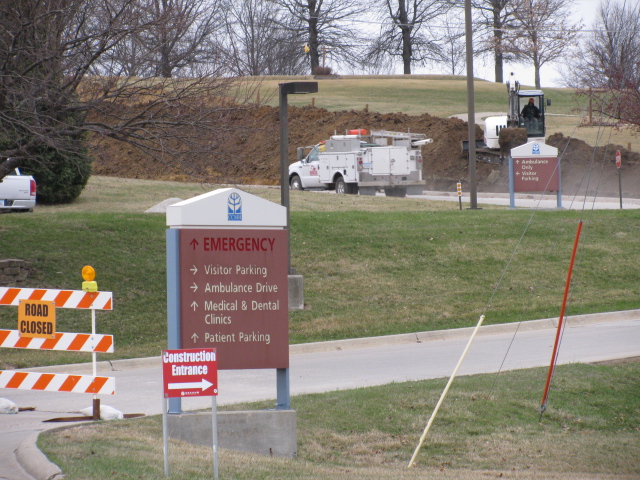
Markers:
point(535, 174)
point(190, 373)
point(233, 295)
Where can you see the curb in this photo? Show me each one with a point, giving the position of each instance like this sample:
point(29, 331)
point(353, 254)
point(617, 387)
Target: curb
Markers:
point(419, 337)
point(34, 462)
point(371, 342)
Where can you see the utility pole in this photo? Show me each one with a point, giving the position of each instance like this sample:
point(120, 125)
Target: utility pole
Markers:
point(471, 120)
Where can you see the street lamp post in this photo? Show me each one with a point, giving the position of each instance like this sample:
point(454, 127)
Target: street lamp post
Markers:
point(471, 121)
point(290, 88)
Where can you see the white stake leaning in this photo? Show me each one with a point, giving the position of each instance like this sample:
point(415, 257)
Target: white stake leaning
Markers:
point(444, 393)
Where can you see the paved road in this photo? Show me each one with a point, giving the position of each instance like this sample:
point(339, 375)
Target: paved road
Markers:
point(325, 367)
point(533, 200)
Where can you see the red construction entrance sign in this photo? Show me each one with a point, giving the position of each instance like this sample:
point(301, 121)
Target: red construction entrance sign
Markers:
point(190, 373)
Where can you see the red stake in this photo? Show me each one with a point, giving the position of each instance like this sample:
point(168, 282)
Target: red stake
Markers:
point(560, 321)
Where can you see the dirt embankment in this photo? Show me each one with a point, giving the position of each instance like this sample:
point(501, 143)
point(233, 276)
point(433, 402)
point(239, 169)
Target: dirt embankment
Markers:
point(247, 152)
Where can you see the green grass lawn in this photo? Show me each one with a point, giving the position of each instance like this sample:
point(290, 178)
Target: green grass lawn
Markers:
point(488, 428)
point(371, 265)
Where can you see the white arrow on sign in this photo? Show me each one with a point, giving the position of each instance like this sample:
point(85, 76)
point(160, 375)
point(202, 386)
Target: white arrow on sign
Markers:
point(194, 337)
point(203, 385)
point(194, 287)
point(194, 270)
point(194, 305)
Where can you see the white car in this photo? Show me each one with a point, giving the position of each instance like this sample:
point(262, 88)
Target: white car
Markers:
point(17, 192)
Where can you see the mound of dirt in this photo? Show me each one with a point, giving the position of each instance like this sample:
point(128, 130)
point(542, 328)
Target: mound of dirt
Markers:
point(247, 151)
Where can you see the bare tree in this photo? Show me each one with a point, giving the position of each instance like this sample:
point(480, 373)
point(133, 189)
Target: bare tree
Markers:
point(48, 99)
point(326, 27)
point(180, 36)
point(494, 17)
point(606, 67)
point(256, 42)
point(453, 42)
point(542, 32)
point(609, 52)
point(405, 32)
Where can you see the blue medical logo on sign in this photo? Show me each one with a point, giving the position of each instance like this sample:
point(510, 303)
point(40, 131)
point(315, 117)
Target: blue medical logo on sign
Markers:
point(234, 208)
point(535, 149)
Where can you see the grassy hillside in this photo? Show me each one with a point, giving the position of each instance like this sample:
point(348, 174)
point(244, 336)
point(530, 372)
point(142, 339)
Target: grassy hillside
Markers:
point(247, 149)
point(372, 265)
point(441, 96)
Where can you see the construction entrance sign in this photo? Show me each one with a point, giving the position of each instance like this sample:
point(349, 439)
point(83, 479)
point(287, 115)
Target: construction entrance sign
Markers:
point(190, 373)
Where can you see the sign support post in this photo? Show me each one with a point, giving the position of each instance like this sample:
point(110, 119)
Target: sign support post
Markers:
point(173, 303)
point(512, 194)
point(190, 373)
point(214, 433)
point(165, 435)
point(619, 166)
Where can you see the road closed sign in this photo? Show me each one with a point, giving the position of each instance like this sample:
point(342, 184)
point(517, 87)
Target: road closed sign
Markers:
point(37, 319)
point(190, 372)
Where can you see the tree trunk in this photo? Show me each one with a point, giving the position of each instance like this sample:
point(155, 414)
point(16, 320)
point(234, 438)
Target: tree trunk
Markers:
point(403, 20)
point(498, 67)
point(497, 47)
point(536, 67)
point(406, 50)
point(314, 54)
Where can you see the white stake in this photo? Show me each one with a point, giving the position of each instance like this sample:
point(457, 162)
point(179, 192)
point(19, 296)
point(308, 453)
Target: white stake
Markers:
point(444, 393)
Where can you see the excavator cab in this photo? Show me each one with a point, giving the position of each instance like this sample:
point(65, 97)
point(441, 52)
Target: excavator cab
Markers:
point(531, 115)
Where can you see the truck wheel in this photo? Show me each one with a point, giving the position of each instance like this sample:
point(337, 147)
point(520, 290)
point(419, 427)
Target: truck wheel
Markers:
point(395, 191)
point(340, 186)
point(295, 183)
point(351, 188)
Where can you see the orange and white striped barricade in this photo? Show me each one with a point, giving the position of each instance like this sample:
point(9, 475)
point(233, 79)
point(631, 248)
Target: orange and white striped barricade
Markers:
point(70, 342)
point(57, 382)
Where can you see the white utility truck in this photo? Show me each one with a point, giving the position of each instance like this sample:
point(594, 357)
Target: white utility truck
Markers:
point(358, 162)
point(17, 192)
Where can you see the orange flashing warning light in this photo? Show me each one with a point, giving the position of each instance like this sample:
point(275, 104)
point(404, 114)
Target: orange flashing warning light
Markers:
point(89, 274)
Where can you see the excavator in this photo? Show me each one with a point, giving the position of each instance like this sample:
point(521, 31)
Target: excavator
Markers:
point(524, 122)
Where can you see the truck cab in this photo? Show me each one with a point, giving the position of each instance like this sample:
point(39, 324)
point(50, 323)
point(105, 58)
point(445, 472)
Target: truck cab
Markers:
point(305, 172)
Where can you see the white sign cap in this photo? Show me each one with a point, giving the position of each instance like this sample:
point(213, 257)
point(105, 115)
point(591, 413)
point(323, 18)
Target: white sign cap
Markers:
point(226, 207)
point(534, 148)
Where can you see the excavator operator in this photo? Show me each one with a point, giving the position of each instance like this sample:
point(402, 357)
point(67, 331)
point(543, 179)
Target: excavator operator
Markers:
point(530, 111)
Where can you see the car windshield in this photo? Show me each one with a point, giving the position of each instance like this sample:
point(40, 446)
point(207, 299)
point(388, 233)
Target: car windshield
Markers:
point(313, 155)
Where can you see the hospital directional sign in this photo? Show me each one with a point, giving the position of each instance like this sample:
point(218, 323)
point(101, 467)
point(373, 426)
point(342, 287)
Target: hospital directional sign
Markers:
point(190, 372)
